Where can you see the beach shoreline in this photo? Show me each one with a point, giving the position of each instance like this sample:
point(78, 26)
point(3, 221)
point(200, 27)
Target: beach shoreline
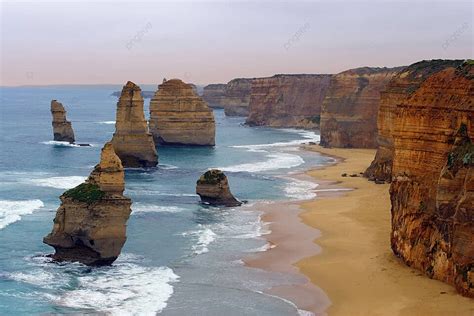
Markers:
point(338, 245)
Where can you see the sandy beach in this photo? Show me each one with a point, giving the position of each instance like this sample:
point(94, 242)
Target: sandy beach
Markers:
point(340, 242)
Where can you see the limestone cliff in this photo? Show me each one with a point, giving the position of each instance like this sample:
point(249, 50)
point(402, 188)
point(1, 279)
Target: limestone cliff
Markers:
point(213, 188)
point(90, 224)
point(62, 128)
point(179, 116)
point(237, 97)
point(214, 94)
point(132, 141)
point(349, 110)
point(288, 100)
point(400, 87)
point(432, 191)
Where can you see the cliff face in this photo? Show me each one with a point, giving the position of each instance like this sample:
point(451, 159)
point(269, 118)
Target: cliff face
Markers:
point(432, 191)
point(62, 128)
point(179, 116)
point(214, 94)
point(132, 141)
point(398, 89)
point(237, 97)
point(90, 224)
point(288, 100)
point(349, 110)
point(213, 188)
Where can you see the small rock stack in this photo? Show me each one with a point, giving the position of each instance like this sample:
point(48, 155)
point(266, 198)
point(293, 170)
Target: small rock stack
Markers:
point(62, 128)
point(213, 188)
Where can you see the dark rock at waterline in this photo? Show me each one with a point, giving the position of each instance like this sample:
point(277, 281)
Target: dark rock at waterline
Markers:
point(213, 188)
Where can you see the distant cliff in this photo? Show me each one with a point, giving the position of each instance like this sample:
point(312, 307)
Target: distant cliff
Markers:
point(432, 190)
point(237, 97)
point(349, 110)
point(214, 94)
point(287, 100)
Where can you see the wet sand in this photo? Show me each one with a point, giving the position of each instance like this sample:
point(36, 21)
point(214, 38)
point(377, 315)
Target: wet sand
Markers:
point(340, 242)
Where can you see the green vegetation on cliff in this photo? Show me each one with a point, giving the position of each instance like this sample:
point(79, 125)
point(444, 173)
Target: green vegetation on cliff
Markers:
point(85, 192)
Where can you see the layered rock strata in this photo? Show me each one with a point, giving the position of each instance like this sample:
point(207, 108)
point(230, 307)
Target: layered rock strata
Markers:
point(178, 116)
point(432, 191)
point(398, 89)
point(288, 100)
point(213, 188)
point(62, 128)
point(237, 97)
point(132, 141)
point(214, 94)
point(90, 224)
point(349, 110)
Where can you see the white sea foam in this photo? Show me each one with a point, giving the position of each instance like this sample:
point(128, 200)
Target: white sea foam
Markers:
point(274, 162)
point(143, 207)
point(167, 167)
point(58, 143)
point(308, 136)
point(59, 182)
point(205, 236)
point(106, 122)
point(300, 189)
point(12, 211)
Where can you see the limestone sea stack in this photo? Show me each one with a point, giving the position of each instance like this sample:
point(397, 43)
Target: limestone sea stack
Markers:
point(132, 141)
point(237, 97)
point(349, 110)
point(90, 224)
point(213, 188)
point(214, 94)
point(288, 100)
point(432, 190)
point(62, 128)
point(398, 89)
point(178, 116)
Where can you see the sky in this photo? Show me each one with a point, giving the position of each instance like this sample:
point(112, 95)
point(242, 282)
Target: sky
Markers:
point(110, 42)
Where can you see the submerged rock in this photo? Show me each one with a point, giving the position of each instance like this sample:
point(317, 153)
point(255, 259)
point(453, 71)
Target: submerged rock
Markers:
point(90, 224)
point(178, 116)
point(62, 128)
point(213, 188)
point(132, 141)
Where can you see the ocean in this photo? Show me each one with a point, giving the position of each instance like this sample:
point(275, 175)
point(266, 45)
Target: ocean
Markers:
point(181, 257)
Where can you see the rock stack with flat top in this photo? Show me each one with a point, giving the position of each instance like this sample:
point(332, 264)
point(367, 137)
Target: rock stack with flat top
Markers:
point(132, 141)
point(62, 128)
point(178, 116)
point(213, 188)
point(90, 225)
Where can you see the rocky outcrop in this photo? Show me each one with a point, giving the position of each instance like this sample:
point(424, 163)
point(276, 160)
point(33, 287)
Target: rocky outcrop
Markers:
point(432, 190)
point(178, 116)
point(90, 224)
point(214, 94)
point(62, 128)
point(398, 89)
point(132, 141)
point(287, 100)
point(213, 188)
point(237, 97)
point(349, 110)
point(145, 94)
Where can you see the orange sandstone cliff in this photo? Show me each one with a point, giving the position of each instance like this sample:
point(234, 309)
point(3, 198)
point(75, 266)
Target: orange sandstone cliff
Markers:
point(237, 97)
point(287, 100)
point(432, 190)
point(349, 110)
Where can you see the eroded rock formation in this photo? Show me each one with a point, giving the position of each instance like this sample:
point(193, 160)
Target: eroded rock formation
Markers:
point(132, 141)
point(179, 116)
point(237, 97)
point(349, 110)
point(214, 94)
point(398, 89)
point(62, 128)
point(432, 191)
point(288, 100)
point(213, 188)
point(90, 224)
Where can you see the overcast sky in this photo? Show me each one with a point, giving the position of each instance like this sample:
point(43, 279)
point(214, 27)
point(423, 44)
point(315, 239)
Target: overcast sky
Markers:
point(209, 42)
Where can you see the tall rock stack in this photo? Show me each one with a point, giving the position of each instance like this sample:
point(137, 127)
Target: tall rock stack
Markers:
point(178, 116)
point(236, 98)
point(214, 94)
point(398, 89)
point(90, 225)
point(349, 111)
point(432, 190)
point(62, 128)
point(132, 141)
point(288, 100)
